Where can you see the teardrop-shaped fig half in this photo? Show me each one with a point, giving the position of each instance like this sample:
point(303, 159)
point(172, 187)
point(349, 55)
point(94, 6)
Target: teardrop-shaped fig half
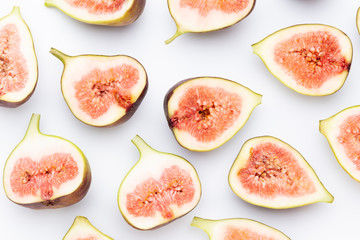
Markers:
point(342, 131)
point(112, 13)
point(311, 59)
point(237, 228)
point(18, 62)
point(207, 15)
point(159, 188)
point(45, 171)
point(102, 90)
point(206, 112)
point(82, 229)
point(270, 173)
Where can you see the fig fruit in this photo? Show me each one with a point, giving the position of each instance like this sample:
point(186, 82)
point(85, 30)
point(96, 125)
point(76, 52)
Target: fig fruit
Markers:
point(82, 229)
point(159, 188)
point(270, 173)
point(112, 13)
point(342, 131)
point(207, 15)
point(237, 228)
point(18, 62)
point(102, 90)
point(311, 59)
point(204, 113)
point(45, 171)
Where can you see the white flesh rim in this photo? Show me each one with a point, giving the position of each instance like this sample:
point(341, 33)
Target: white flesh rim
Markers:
point(28, 53)
point(330, 128)
point(217, 229)
point(265, 50)
point(320, 194)
point(189, 20)
point(151, 165)
point(82, 14)
point(249, 99)
point(31, 146)
point(82, 228)
point(76, 67)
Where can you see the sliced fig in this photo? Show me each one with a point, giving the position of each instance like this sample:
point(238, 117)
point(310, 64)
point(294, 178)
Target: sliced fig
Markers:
point(311, 59)
point(342, 131)
point(159, 188)
point(207, 15)
point(237, 228)
point(45, 171)
point(18, 62)
point(270, 173)
point(82, 229)
point(206, 112)
point(102, 90)
point(112, 13)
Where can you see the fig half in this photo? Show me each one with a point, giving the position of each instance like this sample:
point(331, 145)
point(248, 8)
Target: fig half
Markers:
point(311, 59)
point(237, 228)
point(159, 188)
point(45, 171)
point(18, 62)
point(112, 13)
point(82, 229)
point(207, 15)
point(102, 90)
point(342, 131)
point(206, 112)
point(270, 173)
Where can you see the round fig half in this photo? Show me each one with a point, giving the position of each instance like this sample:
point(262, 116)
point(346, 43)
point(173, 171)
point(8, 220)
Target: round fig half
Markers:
point(82, 229)
point(311, 59)
point(45, 171)
point(270, 173)
point(18, 62)
point(207, 15)
point(112, 13)
point(342, 131)
point(102, 90)
point(160, 188)
point(206, 112)
point(237, 228)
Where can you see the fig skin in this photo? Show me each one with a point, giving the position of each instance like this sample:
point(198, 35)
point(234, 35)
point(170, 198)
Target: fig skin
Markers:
point(169, 94)
point(180, 32)
point(279, 77)
point(16, 10)
point(62, 201)
point(129, 111)
point(131, 15)
point(67, 200)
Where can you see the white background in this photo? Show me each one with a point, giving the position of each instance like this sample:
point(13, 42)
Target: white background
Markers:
point(227, 53)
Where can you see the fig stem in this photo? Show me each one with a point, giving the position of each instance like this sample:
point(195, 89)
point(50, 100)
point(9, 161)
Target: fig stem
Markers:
point(33, 127)
point(204, 224)
point(15, 10)
point(49, 3)
point(60, 55)
point(177, 34)
point(141, 145)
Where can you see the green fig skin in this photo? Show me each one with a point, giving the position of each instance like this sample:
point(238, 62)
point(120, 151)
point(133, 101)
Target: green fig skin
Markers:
point(62, 201)
point(180, 31)
point(130, 16)
point(256, 46)
point(83, 222)
point(129, 111)
point(169, 94)
point(8, 104)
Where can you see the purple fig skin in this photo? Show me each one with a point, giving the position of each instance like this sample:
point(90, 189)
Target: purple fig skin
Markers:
point(66, 200)
point(133, 13)
point(130, 110)
point(17, 104)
